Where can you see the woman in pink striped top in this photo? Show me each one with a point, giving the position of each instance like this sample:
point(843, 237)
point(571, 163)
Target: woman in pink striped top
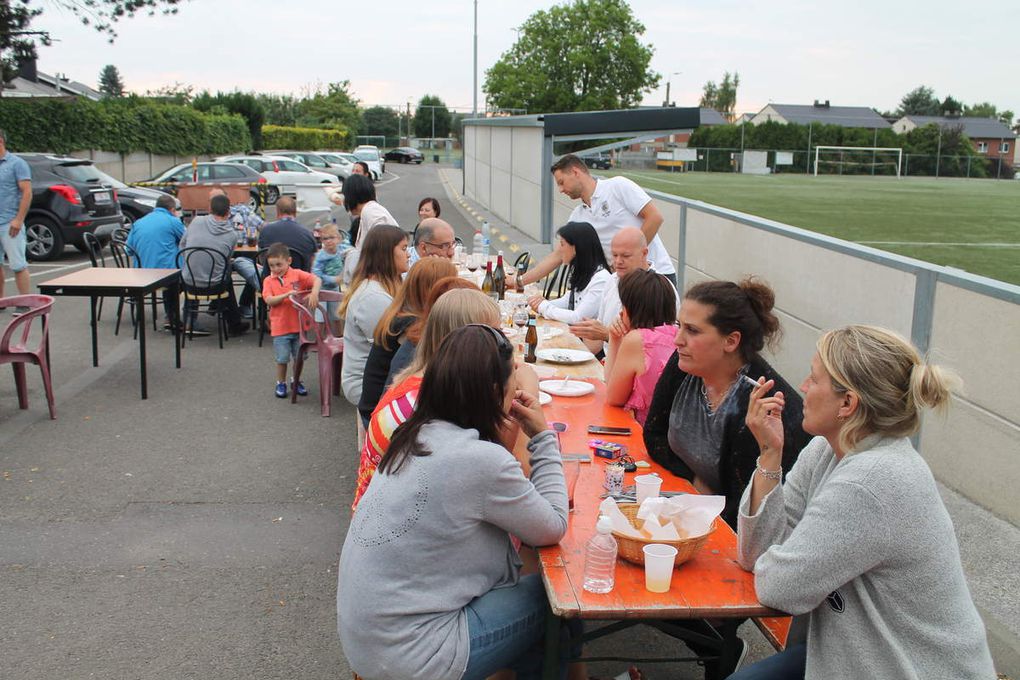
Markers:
point(640, 341)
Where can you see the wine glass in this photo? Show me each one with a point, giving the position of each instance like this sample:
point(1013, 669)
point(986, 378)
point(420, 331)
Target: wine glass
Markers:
point(473, 262)
point(520, 315)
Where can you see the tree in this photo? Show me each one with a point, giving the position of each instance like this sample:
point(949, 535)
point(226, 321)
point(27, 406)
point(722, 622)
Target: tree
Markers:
point(989, 110)
point(17, 42)
point(920, 101)
point(379, 120)
point(110, 83)
point(243, 104)
point(950, 107)
point(280, 109)
point(335, 109)
point(583, 56)
point(431, 118)
point(722, 97)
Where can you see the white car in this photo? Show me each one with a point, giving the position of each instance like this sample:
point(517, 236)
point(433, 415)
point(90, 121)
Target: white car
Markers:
point(283, 174)
point(338, 161)
point(370, 155)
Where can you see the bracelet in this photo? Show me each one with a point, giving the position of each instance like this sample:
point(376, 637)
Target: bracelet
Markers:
point(774, 475)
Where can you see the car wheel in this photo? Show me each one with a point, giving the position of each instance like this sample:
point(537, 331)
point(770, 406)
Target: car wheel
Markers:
point(44, 240)
point(253, 201)
point(272, 195)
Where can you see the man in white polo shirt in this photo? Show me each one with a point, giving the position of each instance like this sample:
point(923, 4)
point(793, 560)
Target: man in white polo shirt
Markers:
point(609, 205)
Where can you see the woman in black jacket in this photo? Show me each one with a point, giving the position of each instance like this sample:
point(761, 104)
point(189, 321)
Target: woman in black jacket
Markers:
point(695, 426)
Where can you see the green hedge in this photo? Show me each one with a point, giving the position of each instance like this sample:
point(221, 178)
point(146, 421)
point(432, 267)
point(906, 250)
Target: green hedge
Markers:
point(303, 139)
point(123, 125)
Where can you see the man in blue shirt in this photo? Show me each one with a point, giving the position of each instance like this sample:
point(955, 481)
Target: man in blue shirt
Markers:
point(154, 239)
point(15, 197)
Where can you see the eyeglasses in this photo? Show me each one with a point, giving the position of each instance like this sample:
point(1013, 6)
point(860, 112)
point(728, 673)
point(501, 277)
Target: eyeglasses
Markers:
point(506, 350)
point(449, 245)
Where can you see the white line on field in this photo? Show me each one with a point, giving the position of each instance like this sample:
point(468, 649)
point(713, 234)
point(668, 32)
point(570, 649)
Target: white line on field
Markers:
point(939, 243)
point(54, 270)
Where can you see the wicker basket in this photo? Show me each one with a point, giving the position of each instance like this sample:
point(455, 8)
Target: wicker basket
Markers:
point(631, 549)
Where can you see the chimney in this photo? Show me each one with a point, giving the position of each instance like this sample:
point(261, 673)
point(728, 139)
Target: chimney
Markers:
point(822, 105)
point(27, 70)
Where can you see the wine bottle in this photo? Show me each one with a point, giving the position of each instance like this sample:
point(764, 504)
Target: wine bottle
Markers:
point(499, 278)
point(487, 284)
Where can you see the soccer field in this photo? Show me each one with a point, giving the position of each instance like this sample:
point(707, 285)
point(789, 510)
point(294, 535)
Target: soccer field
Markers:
point(970, 224)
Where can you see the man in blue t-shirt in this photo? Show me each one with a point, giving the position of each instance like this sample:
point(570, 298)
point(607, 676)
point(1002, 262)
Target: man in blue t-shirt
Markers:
point(15, 197)
point(154, 239)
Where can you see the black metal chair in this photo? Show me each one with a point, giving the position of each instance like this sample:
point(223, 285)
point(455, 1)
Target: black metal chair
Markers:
point(525, 259)
point(94, 249)
point(262, 310)
point(125, 257)
point(557, 282)
point(120, 234)
point(213, 290)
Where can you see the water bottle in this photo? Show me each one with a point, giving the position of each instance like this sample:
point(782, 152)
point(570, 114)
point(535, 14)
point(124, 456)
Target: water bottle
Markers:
point(600, 558)
point(478, 244)
point(486, 236)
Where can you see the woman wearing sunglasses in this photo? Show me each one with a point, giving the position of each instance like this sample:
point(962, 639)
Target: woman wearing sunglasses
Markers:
point(444, 501)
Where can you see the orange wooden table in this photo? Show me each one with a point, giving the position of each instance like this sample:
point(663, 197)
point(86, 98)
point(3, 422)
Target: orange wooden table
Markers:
point(711, 585)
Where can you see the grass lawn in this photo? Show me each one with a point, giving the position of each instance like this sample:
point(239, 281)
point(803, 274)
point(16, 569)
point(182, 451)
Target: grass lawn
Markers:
point(970, 224)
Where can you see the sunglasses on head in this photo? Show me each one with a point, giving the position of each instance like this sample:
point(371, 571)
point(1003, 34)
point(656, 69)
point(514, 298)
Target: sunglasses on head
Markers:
point(506, 350)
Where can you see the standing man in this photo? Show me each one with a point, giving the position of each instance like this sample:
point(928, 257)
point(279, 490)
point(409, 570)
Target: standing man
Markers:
point(154, 240)
point(15, 197)
point(609, 205)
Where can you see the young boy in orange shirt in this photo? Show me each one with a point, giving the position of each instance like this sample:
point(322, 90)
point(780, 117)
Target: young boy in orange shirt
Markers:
point(283, 283)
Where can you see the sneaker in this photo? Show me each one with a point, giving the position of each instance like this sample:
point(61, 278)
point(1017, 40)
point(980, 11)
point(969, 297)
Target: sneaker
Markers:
point(742, 654)
point(239, 329)
point(195, 330)
point(300, 388)
point(281, 390)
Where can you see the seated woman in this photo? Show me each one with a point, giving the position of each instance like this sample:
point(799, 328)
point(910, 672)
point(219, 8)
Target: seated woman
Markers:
point(408, 306)
point(695, 426)
point(640, 341)
point(376, 282)
point(578, 245)
point(856, 543)
point(429, 583)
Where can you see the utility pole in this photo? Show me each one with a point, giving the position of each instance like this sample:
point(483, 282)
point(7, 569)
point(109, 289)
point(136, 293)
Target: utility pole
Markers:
point(474, 90)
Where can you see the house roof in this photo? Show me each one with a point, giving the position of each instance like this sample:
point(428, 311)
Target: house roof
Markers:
point(973, 127)
point(49, 86)
point(712, 117)
point(846, 116)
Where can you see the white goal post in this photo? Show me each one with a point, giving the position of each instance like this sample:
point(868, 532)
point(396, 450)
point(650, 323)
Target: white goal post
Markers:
point(857, 149)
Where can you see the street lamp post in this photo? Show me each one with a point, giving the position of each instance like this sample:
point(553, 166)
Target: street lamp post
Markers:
point(668, 83)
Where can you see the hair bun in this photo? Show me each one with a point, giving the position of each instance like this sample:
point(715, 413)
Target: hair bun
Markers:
point(931, 385)
point(762, 299)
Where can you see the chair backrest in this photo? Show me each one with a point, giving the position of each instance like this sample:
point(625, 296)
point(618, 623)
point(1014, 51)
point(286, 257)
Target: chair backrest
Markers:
point(311, 330)
point(38, 306)
point(120, 234)
point(558, 281)
point(525, 259)
point(199, 259)
point(124, 255)
point(94, 249)
point(299, 261)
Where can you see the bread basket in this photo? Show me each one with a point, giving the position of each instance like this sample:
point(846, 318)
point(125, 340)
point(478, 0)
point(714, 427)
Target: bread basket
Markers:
point(631, 548)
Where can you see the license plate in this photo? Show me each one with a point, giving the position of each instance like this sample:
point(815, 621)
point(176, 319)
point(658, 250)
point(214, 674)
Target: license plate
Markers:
point(101, 196)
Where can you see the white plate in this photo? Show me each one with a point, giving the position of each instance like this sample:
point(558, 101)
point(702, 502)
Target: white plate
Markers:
point(564, 356)
point(567, 388)
point(544, 398)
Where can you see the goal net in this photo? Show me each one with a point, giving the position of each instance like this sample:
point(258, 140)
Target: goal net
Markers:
point(858, 160)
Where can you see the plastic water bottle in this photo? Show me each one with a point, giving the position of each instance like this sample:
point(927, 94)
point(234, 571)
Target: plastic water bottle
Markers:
point(600, 558)
point(486, 236)
point(478, 245)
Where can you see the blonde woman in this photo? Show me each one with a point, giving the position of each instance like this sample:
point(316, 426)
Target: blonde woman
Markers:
point(856, 542)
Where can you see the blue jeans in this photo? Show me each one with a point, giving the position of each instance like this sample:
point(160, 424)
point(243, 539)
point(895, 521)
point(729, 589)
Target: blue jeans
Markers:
point(786, 665)
point(506, 628)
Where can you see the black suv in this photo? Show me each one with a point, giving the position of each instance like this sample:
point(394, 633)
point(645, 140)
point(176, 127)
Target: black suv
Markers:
point(598, 162)
point(69, 198)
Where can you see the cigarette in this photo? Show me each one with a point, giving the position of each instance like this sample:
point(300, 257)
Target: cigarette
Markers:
point(750, 381)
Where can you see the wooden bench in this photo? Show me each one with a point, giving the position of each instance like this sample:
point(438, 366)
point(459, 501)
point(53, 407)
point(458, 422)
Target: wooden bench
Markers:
point(775, 629)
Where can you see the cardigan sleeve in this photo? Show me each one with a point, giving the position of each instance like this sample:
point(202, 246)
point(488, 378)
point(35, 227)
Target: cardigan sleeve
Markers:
point(656, 428)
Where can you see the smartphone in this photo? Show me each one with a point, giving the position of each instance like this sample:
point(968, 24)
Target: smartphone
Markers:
point(583, 457)
point(602, 429)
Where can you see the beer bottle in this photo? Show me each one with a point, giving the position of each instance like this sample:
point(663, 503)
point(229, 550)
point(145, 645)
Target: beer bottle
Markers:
point(499, 278)
point(531, 340)
point(487, 284)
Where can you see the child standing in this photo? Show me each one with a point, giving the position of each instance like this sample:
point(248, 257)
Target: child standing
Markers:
point(329, 266)
point(283, 283)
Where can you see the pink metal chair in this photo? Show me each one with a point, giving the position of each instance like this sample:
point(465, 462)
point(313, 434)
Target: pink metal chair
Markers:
point(319, 336)
point(14, 351)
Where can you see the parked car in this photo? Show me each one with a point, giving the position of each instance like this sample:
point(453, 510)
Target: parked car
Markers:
point(404, 154)
point(211, 173)
point(598, 162)
point(135, 202)
point(282, 173)
point(316, 162)
point(340, 162)
point(375, 163)
point(69, 199)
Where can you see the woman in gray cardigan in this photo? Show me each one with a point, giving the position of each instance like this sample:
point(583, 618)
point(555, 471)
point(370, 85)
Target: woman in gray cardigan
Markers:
point(429, 583)
point(856, 543)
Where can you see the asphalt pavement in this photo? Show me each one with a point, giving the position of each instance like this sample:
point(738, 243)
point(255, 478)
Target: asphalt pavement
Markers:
point(194, 534)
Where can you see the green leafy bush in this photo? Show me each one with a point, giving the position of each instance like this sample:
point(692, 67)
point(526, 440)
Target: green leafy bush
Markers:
point(303, 139)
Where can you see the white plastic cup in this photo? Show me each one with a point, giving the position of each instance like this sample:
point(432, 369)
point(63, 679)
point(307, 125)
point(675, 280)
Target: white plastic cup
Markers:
point(659, 560)
point(647, 487)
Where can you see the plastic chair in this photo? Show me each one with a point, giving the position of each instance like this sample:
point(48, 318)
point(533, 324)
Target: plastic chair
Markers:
point(319, 336)
point(17, 354)
point(204, 291)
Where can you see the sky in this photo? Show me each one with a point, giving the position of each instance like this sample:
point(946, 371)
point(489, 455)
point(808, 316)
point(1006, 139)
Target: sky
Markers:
point(864, 53)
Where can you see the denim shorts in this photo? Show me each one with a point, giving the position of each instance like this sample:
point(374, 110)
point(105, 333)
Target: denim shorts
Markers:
point(285, 347)
point(13, 247)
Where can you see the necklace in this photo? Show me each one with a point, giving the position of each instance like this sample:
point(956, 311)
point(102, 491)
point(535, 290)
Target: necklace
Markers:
point(708, 401)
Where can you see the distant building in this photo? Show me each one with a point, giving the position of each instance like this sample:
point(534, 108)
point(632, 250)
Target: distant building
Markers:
point(31, 82)
point(990, 136)
point(709, 117)
point(822, 113)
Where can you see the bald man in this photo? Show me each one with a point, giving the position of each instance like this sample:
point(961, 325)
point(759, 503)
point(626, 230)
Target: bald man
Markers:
point(433, 238)
point(629, 250)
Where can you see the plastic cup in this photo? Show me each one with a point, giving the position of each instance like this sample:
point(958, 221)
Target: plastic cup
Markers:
point(659, 561)
point(647, 487)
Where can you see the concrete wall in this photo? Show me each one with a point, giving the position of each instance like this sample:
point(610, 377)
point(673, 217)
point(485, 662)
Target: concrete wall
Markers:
point(134, 167)
point(503, 171)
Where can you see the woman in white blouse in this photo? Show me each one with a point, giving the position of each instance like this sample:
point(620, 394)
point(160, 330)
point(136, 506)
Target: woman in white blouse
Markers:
point(579, 245)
